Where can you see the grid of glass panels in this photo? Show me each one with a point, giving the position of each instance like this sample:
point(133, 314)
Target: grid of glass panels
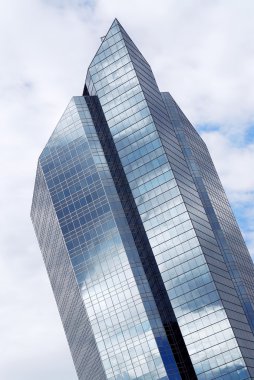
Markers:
point(141, 241)
point(237, 259)
point(191, 287)
point(63, 281)
point(125, 321)
point(235, 251)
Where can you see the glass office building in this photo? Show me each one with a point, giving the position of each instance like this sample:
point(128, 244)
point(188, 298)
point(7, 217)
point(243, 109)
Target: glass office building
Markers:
point(148, 266)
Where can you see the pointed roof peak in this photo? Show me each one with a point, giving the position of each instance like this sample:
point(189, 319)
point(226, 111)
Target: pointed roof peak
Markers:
point(115, 21)
point(109, 38)
point(114, 24)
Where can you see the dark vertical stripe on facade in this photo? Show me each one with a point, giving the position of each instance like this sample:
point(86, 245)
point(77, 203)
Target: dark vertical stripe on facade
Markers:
point(139, 235)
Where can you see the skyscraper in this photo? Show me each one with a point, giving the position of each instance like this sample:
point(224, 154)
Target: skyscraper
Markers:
point(149, 269)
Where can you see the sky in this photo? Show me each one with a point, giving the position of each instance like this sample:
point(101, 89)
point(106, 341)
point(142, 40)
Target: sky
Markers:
point(201, 51)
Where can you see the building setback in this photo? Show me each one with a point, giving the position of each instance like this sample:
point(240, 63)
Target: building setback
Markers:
point(148, 266)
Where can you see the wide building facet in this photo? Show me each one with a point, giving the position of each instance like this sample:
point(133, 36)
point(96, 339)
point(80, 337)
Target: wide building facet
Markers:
point(148, 266)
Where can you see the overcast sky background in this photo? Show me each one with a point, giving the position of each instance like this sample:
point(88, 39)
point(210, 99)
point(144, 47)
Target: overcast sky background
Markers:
point(201, 51)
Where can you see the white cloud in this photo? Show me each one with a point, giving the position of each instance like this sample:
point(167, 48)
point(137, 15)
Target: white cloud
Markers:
point(234, 162)
point(202, 52)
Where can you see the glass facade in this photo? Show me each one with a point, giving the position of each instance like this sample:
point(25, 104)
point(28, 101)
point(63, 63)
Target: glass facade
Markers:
point(148, 266)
